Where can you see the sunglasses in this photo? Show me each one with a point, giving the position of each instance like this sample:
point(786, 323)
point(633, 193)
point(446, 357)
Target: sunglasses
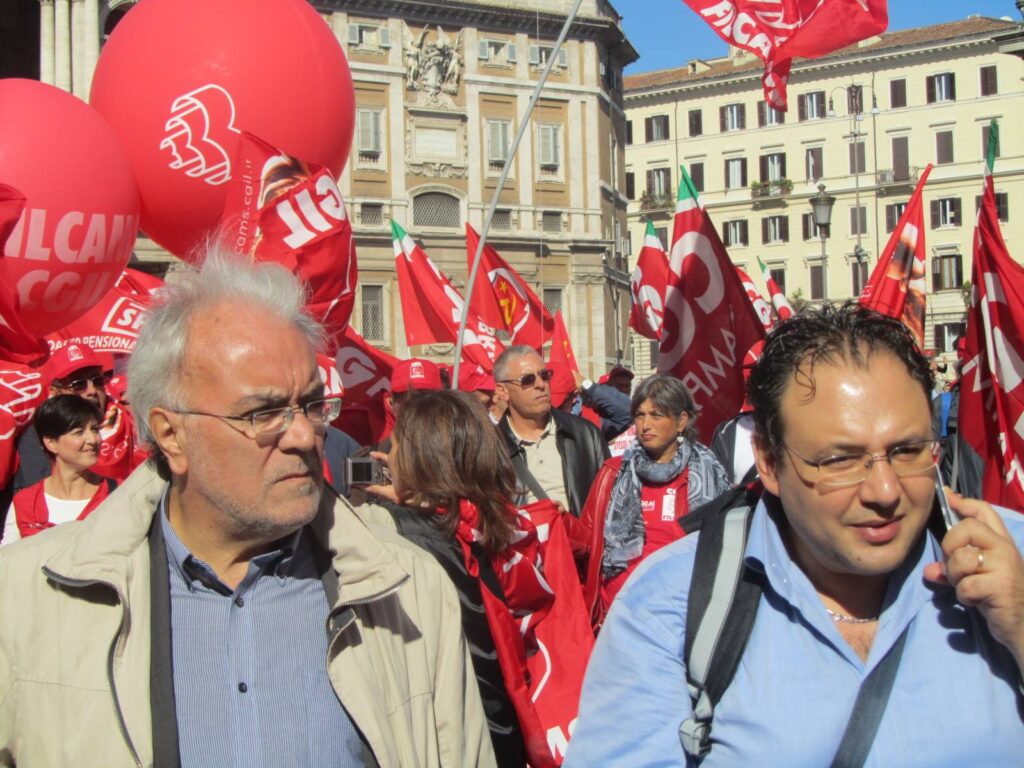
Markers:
point(529, 379)
point(78, 386)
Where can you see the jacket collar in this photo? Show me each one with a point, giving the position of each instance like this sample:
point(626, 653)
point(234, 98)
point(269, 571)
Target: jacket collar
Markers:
point(103, 544)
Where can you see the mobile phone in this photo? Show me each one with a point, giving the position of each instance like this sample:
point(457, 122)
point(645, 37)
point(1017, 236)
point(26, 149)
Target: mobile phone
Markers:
point(949, 517)
point(363, 470)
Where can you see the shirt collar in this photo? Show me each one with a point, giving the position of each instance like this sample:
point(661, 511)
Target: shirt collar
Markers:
point(549, 430)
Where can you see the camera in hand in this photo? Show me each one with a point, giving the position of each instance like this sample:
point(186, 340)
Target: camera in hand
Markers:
point(363, 470)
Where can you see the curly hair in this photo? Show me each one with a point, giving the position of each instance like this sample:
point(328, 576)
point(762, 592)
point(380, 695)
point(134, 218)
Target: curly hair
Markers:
point(847, 333)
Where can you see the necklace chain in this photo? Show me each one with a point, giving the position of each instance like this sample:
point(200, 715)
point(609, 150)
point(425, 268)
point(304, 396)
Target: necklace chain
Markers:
point(848, 619)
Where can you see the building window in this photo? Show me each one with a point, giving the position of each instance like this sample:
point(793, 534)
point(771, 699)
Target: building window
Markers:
point(659, 182)
point(817, 282)
point(502, 219)
point(373, 313)
point(736, 173)
point(941, 87)
point(767, 115)
point(811, 106)
point(779, 276)
point(811, 231)
point(372, 37)
point(945, 212)
point(897, 93)
point(539, 55)
point(1002, 205)
point(552, 299)
point(773, 166)
point(815, 163)
point(947, 335)
point(858, 220)
point(436, 209)
point(499, 134)
point(989, 82)
point(656, 128)
point(855, 99)
point(551, 221)
point(695, 118)
point(735, 232)
point(984, 142)
point(370, 129)
point(944, 147)
point(662, 233)
point(630, 185)
point(733, 117)
point(550, 146)
point(371, 214)
point(857, 157)
point(629, 132)
point(775, 229)
point(859, 276)
point(947, 272)
point(892, 215)
point(499, 52)
point(901, 158)
point(697, 176)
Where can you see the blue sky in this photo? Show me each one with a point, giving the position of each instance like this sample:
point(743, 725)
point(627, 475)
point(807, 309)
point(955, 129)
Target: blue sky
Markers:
point(657, 28)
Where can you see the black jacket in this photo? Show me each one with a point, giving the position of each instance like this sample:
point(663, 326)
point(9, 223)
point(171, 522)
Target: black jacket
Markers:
point(581, 447)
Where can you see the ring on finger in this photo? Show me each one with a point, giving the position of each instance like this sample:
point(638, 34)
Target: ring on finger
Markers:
point(981, 561)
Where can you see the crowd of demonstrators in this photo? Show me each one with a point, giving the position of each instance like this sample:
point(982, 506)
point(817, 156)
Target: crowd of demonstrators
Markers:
point(556, 455)
point(183, 621)
point(637, 500)
point(68, 428)
point(849, 588)
point(475, 380)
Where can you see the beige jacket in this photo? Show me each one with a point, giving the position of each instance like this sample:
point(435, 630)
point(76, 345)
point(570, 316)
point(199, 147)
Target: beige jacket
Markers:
point(75, 642)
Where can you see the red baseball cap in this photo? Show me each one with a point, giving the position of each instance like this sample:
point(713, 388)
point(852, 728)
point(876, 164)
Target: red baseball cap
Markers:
point(415, 373)
point(71, 358)
point(473, 378)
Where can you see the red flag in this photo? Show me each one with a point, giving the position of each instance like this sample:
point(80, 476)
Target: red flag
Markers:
point(756, 300)
point(502, 299)
point(897, 285)
point(365, 374)
point(561, 348)
point(282, 209)
point(783, 310)
point(704, 292)
point(432, 308)
point(17, 343)
point(778, 30)
point(991, 412)
point(647, 287)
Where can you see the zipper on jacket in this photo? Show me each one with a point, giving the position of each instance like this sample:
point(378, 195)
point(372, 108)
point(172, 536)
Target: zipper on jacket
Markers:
point(125, 622)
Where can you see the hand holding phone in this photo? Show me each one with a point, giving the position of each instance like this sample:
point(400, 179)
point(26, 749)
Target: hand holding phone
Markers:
point(949, 517)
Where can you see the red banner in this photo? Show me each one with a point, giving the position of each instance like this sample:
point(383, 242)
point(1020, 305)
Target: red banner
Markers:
point(502, 299)
point(897, 286)
point(757, 301)
point(282, 209)
point(365, 376)
point(778, 30)
point(647, 287)
point(561, 348)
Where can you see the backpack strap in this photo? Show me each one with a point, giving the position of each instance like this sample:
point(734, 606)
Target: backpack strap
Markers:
point(723, 601)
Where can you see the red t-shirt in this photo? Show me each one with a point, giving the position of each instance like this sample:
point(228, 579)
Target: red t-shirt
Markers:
point(662, 505)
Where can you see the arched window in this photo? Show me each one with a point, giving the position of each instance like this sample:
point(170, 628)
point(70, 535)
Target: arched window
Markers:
point(436, 209)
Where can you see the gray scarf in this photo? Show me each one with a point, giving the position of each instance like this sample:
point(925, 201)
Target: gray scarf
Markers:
point(624, 531)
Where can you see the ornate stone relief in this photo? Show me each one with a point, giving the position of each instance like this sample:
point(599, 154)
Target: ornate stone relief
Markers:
point(433, 69)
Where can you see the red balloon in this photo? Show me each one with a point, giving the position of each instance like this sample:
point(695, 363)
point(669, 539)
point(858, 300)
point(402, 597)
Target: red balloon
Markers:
point(178, 80)
point(82, 212)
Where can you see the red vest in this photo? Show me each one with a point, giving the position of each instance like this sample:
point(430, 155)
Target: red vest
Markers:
point(32, 514)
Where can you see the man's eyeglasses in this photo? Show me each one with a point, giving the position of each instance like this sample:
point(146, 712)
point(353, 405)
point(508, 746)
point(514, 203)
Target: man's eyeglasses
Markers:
point(274, 421)
point(853, 468)
point(529, 379)
point(78, 386)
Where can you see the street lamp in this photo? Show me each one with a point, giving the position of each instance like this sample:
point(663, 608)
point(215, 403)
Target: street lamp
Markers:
point(821, 212)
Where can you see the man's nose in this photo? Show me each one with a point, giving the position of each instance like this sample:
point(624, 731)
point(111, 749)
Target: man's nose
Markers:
point(882, 486)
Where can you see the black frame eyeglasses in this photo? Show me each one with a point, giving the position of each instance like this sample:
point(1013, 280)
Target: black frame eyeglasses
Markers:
point(529, 379)
point(276, 421)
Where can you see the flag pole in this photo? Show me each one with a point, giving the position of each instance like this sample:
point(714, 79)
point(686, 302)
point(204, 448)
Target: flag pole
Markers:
point(523, 125)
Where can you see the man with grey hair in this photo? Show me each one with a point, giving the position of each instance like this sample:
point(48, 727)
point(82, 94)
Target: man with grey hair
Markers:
point(221, 609)
point(556, 455)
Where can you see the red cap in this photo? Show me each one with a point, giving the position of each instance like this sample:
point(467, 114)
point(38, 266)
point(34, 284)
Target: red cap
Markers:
point(473, 378)
point(71, 358)
point(415, 373)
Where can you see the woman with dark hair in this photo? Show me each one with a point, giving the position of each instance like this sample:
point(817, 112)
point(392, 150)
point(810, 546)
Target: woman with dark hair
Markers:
point(637, 499)
point(453, 485)
point(69, 429)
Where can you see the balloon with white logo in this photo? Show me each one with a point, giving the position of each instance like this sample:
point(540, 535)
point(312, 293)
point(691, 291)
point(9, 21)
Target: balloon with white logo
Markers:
point(180, 80)
point(81, 216)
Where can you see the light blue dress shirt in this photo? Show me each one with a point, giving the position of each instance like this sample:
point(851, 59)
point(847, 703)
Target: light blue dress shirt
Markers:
point(794, 689)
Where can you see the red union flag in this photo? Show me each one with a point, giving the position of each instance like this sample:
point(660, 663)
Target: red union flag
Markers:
point(757, 301)
point(704, 291)
point(561, 347)
point(897, 286)
point(778, 30)
point(502, 299)
point(647, 287)
point(432, 308)
point(282, 209)
point(783, 310)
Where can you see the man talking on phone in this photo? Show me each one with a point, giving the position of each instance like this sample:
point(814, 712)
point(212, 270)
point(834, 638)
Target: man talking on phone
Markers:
point(829, 619)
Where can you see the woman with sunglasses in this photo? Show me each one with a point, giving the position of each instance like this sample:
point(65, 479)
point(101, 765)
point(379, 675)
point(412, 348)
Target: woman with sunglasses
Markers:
point(68, 427)
point(637, 499)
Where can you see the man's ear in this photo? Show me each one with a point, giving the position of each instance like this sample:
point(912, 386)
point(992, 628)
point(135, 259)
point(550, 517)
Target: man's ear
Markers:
point(168, 431)
point(767, 466)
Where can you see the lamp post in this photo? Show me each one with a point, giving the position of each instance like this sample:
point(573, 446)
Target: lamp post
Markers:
point(821, 212)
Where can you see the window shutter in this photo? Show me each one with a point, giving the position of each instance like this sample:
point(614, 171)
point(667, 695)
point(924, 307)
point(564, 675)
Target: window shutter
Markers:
point(696, 126)
point(890, 218)
point(957, 220)
point(384, 37)
point(952, 86)
point(764, 231)
point(784, 228)
point(989, 83)
point(783, 169)
point(762, 117)
point(510, 53)
point(806, 225)
point(725, 233)
point(721, 119)
point(494, 141)
point(780, 118)
point(742, 116)
point(901, 158)
point(935, 213)
point(649, 129)
point(563, 58)
point(630, 185)
point(483, 51)
point(534, 55)
point(697, 175)
point(365, 120)
point(802, 107)
point(1003, 204)
point(744, 234)
point(929, 86)
point(728, 185)
point(743, 172)
point(897, 93)
point(763, 162)
point(650, 182)
point(353, 34)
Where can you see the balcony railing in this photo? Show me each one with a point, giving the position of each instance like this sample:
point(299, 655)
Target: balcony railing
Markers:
point(650, 201)
point(886, 176)
point(776, 188)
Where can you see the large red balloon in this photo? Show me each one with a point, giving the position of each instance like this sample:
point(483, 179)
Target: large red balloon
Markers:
point(178, 80)
point(82, 211)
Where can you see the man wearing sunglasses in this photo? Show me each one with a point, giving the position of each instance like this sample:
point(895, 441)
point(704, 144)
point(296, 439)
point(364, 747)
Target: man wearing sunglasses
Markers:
point(220, 609)
point(556, 455)
point(877, 637)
